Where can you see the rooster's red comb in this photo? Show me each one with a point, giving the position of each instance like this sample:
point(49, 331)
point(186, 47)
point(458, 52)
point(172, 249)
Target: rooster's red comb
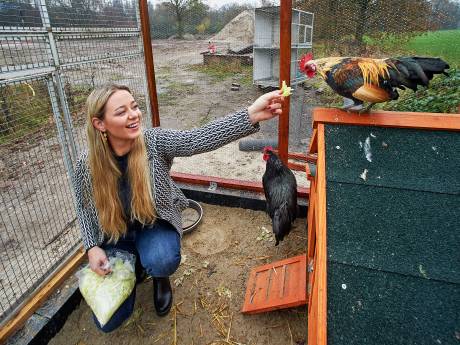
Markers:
point(304, 60)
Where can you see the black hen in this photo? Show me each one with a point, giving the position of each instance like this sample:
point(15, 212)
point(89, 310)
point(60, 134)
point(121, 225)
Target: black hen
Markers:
point(280, 189)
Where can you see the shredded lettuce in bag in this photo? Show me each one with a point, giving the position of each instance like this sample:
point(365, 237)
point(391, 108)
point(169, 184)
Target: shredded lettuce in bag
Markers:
point(105, 294)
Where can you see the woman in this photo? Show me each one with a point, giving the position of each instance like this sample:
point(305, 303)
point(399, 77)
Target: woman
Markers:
point(125, 196)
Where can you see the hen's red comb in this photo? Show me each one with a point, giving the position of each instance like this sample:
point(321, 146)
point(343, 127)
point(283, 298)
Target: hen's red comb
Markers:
point(268, 148)
point(304, 60)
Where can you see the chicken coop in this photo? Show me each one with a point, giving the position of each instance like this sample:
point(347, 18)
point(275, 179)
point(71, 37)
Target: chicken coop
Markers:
point(383, 229)
point(267, 44)
point(371, 257)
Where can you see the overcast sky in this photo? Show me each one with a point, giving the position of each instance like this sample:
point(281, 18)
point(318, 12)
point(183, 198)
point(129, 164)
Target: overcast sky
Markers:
point(218, 3)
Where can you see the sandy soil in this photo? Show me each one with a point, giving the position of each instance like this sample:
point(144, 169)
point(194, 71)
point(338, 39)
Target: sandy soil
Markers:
point(36, 200)
point(229, 162)
point(205, 99)
point(209, 290)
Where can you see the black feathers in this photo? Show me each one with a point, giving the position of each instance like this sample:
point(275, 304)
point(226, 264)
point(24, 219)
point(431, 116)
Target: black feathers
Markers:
point(280, 189)
point(415, 70)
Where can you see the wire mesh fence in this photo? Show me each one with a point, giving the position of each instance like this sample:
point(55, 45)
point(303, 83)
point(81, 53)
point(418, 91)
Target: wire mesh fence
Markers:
point(37, 213)
point(211, 62)
point(53, 53)
point(24, 52)
point(382, 29)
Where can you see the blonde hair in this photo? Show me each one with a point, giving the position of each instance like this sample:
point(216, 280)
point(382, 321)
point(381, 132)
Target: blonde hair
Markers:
point(105, 173)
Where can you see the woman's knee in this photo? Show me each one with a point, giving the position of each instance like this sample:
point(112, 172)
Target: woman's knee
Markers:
point(159, 249)
point(161, 263)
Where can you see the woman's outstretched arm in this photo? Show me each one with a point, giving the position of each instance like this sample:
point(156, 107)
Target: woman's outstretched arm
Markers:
point(176, 143)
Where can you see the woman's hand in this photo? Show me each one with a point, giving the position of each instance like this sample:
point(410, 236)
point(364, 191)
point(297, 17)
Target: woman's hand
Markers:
point(266, 107)
point(98, 261)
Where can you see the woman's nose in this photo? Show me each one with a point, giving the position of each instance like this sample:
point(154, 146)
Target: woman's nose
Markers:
point(132, 114)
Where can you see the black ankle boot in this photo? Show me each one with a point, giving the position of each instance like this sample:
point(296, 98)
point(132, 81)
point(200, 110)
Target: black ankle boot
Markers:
point(162, 295)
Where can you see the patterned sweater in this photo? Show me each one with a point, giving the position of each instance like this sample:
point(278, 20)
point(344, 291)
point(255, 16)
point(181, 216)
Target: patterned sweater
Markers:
point(162, 146)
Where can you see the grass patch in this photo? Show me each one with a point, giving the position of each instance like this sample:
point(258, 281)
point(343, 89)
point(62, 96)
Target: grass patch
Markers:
point(444, 44)
point(175, 90)
point(77, 94)
point(218, 72)
point(441, 44)
point(24, 109)
point(114, 77)
point(442, 96)
point(76, 97)
point(165, 70)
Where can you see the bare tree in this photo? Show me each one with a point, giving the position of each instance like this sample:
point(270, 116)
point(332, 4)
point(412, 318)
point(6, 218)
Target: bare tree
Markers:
point(179, 7)
point(350, 21)
point(446, 14)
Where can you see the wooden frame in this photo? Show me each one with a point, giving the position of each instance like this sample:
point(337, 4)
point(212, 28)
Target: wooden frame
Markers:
point(39, 297)
point(431, 121)
point(317, 221)
point(317, 249)
point(285, 74)
point(149, 66)
point(228, 183)
point(277, 285)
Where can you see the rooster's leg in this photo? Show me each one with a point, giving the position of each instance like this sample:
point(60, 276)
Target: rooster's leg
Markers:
point(367, 109)
point(352, 105)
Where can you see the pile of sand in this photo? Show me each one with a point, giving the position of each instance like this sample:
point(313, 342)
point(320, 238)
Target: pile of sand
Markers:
point(238, 33)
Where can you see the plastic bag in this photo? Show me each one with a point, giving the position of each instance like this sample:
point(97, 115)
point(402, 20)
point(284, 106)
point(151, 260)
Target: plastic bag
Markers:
point(105, 294)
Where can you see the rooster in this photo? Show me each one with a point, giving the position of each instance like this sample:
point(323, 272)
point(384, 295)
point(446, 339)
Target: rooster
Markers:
point(372, 80)
point(280, 188)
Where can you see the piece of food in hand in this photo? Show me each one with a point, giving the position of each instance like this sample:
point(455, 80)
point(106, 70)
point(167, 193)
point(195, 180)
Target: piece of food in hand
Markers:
point(285, 89)
point(280, 188)
point(360, 79)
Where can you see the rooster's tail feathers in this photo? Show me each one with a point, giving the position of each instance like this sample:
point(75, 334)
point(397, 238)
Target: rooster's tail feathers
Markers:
point(433, 65)
point(413, 71)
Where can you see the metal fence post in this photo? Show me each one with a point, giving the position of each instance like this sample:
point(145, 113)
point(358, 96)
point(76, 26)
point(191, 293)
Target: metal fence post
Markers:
point(68, 135)
point(60, 128)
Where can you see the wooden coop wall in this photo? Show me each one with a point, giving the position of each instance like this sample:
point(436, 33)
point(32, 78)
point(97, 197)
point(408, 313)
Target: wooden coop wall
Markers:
point(388, 200)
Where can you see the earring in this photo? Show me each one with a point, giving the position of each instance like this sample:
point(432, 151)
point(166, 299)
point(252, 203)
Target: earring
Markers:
point(104, 136)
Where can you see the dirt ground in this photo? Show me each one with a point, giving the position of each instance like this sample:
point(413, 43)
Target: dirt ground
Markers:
point(209, 289)
point(36, 202)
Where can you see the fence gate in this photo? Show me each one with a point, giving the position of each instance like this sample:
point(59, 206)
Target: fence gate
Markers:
point(52, 54)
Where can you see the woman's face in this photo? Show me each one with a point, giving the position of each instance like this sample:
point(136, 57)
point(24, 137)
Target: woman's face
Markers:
point(122, 118)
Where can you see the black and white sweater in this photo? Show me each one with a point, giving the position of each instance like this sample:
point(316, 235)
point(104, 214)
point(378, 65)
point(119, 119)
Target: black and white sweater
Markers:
point(162, 146)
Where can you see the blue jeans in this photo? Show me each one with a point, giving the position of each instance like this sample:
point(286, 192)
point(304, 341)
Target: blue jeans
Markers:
point(157, 249)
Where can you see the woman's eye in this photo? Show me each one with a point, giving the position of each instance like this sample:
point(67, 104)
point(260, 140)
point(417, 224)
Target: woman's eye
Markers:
point(135, 106)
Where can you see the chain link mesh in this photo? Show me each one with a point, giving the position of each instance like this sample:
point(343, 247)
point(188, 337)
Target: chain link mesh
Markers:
point(211, 61)
point(211, 58)
point(53, 53)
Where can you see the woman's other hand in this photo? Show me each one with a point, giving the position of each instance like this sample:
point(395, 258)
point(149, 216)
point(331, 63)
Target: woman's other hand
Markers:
point(266, 107)
point(98, 261)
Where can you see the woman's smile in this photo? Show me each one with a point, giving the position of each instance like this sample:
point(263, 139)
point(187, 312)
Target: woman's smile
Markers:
point(122, 121)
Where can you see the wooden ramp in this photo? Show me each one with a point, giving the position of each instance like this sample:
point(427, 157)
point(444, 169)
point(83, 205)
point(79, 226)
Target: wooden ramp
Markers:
point(276, 285)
